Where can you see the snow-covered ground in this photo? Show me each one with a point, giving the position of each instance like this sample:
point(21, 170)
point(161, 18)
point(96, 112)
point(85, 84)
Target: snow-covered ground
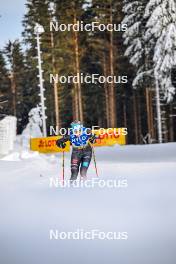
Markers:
point(146, 209)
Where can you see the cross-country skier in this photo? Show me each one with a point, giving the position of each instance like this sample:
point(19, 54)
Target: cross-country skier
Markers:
point(81, 139)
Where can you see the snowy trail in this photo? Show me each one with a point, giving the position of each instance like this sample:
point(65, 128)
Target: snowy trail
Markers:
point(145, 209)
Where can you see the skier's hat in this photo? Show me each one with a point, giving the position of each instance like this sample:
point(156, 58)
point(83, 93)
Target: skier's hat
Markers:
point(76, 125)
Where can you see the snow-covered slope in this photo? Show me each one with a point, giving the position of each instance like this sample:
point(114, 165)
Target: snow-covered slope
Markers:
point(30, 208)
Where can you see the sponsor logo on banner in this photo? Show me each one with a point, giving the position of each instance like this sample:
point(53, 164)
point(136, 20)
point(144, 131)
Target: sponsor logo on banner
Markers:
point(48, 144)
point(110, 139)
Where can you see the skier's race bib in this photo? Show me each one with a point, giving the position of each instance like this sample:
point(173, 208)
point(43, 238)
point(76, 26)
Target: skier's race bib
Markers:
point(78, 141)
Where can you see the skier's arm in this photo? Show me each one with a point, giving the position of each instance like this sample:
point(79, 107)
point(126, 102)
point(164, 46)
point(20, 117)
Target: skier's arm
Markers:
point(93, 137)
point(61, 142)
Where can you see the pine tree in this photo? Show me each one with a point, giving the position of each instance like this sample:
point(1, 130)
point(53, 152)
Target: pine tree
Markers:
point(4, 87)
point(105, 47)
point(17, 74)
point(161, 28)
point(95, 61)
point(134, 39)
point(38, 12)
point(136, 51)
point(70, 47)
point(161, 33)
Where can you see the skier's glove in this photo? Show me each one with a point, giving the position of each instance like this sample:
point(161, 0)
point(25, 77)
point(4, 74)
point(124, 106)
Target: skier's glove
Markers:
point(61, 144)
point(92, 139)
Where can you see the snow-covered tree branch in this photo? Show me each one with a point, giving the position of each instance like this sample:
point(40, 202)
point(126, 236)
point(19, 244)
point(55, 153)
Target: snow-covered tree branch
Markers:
point(161, 28)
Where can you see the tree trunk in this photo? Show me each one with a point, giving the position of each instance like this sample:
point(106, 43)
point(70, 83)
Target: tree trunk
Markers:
point(138, 102)
point(158, 111)
point(112, 97)
point(78, 85)
point(75, 102)
point(125, 119)
point(107, 105)
point(149, 113)
point(124, 115)
point(13, 92)
point(56, 103)
point(171, 125)
point(135, 118)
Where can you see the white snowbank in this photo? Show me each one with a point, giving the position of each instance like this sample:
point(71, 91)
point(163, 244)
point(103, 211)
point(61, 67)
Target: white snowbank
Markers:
point(145, 209)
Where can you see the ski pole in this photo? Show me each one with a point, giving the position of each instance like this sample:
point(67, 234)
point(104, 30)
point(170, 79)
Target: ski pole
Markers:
point(63, 166)
point(95, 163)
